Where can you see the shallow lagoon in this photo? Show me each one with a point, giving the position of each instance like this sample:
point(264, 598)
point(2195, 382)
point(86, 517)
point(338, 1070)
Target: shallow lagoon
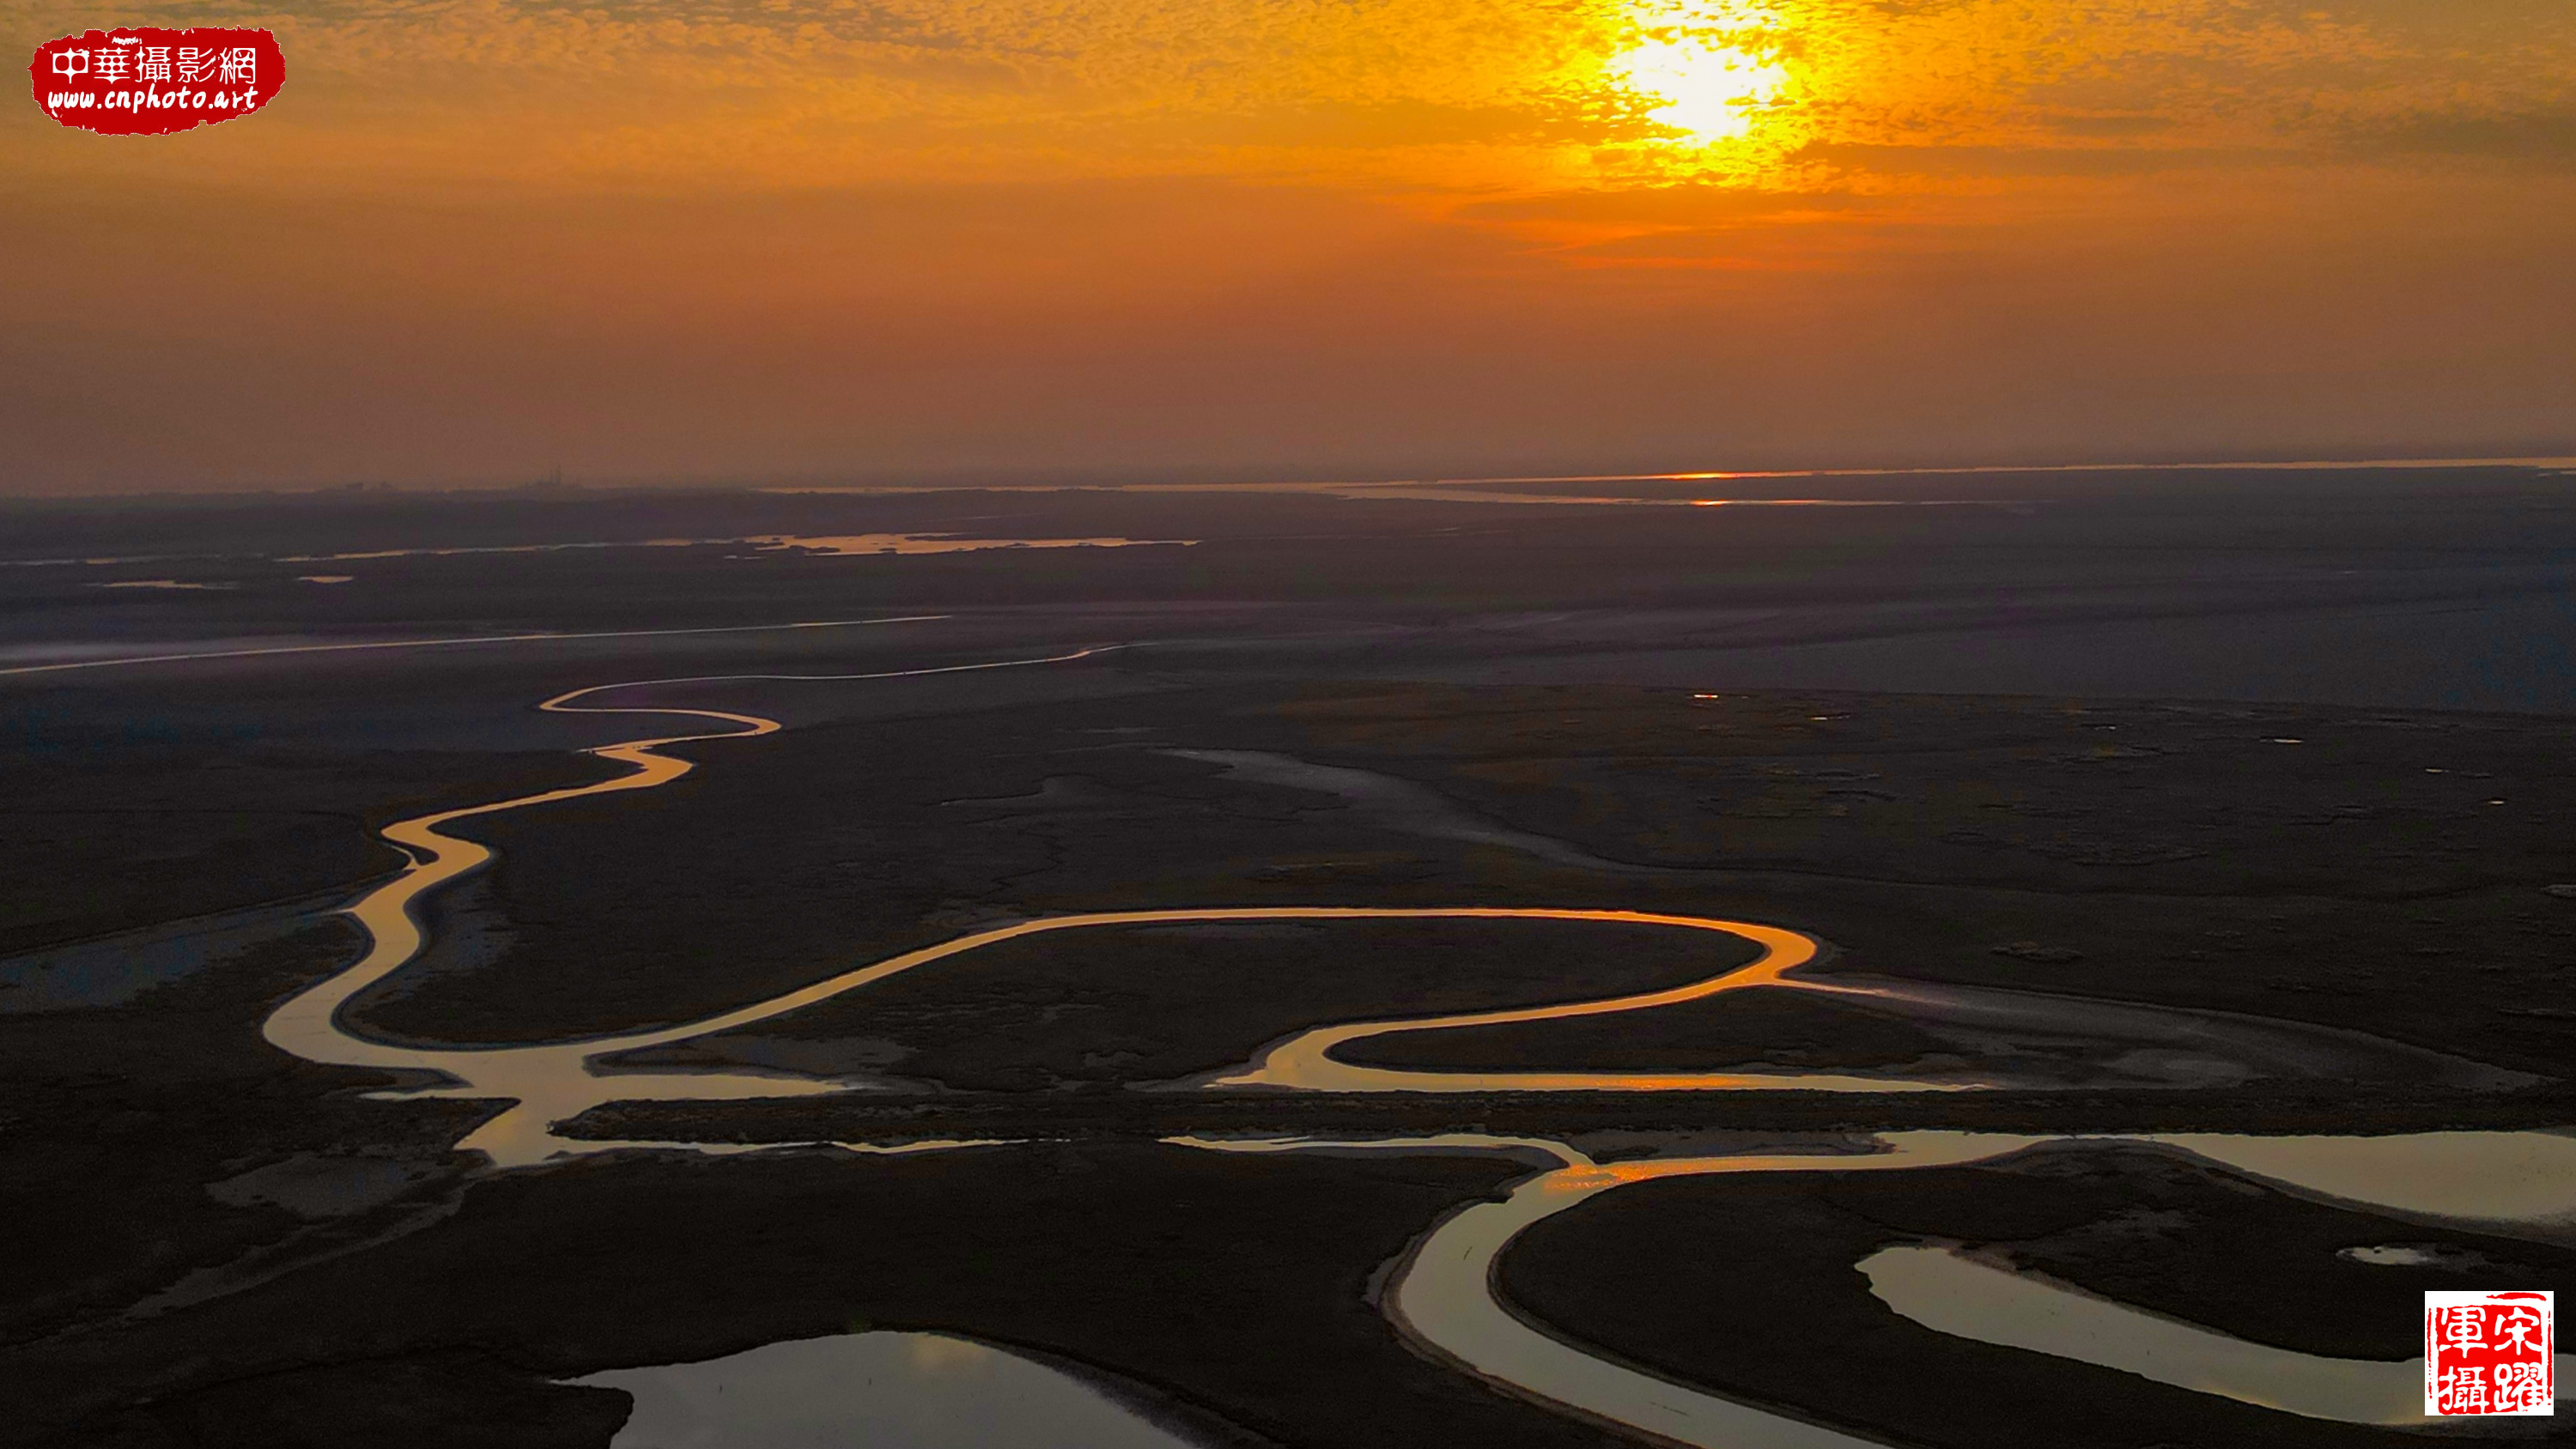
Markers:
point(915, 1390)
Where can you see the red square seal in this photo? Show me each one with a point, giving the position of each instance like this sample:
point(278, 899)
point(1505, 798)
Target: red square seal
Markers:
point(2490, 1353)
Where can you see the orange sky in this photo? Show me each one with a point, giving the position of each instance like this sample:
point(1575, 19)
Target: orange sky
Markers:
point(760, 239)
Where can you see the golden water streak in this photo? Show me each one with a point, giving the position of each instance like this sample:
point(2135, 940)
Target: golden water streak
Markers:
point(1306, 1062)
point(550, 1082)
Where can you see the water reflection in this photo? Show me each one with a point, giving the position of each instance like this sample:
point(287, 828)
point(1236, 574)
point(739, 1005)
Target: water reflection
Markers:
point(551, 1082)
point(1442, 1294)
point(2447, 1256)
point(843, 545)
point(1306, 1062)
point(547, 1083)
point(2519, 1182)
point(1442, 1297)
point(917, 1390)
point(1952, 1294)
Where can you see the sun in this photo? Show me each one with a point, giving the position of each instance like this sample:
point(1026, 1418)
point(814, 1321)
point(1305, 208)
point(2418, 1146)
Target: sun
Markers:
point(1708, 90)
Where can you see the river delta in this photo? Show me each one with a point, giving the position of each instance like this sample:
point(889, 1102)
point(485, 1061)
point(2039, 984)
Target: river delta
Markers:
point(1206, 1012)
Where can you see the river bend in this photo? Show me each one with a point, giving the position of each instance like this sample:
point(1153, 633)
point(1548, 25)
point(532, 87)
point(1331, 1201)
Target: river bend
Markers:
point(1441, 1295)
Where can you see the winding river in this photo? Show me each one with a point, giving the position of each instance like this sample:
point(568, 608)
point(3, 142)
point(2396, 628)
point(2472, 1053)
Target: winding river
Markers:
point(1442, 1297)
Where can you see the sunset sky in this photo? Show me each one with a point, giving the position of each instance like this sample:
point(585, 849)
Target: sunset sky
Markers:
point(752, 240)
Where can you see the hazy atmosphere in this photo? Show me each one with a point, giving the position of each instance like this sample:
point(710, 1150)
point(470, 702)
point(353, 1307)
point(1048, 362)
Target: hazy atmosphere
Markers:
point(670, 240)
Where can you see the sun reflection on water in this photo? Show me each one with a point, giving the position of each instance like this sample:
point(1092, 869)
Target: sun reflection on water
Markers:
point(931, 1354)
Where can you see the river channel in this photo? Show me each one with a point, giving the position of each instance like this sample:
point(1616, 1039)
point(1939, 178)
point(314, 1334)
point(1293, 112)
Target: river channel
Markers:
point(1442, 1294)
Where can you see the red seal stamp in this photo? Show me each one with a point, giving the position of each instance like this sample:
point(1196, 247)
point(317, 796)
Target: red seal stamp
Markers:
point(140, 80)
point(2490, 1353)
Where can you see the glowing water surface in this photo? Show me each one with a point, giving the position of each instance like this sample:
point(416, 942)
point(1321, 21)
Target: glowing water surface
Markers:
point(2522, 1183)
point(1959, 1296)
point(917, 1390)
point(550, 1082)
point(554, 1081)
point(1441, 1295)
point(865, 544)
point(1305, 1062)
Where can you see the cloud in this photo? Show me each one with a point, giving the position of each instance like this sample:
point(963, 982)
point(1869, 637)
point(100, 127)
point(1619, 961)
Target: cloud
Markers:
point(2545, 139)
point(2112, 127)
point(2038, 161)
point(1665, 206)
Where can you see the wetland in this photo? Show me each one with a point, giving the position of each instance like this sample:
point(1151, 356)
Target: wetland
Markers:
point(1235, 996)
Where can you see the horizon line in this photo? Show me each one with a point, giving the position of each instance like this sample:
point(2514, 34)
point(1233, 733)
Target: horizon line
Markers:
point(380, 488)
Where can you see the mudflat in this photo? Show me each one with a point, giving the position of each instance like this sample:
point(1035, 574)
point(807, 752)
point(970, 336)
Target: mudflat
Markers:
point(2098, 911)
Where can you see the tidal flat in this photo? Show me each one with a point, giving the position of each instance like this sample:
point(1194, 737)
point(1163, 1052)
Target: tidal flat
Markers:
point(2223, 902)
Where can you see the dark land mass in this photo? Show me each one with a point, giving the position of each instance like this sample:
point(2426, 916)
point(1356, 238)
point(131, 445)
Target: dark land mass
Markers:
point(161, 1143)
point(98, 838)
point(130, 801)
point(895, 1117)
point(1239, 1286)
point(160, 1140)
point(2362, 892)
point(2424, 587)
point(1989, 747)
point(1747, 1285)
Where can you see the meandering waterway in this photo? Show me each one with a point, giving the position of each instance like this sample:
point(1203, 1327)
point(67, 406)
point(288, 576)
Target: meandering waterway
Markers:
point(1442, 1294)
